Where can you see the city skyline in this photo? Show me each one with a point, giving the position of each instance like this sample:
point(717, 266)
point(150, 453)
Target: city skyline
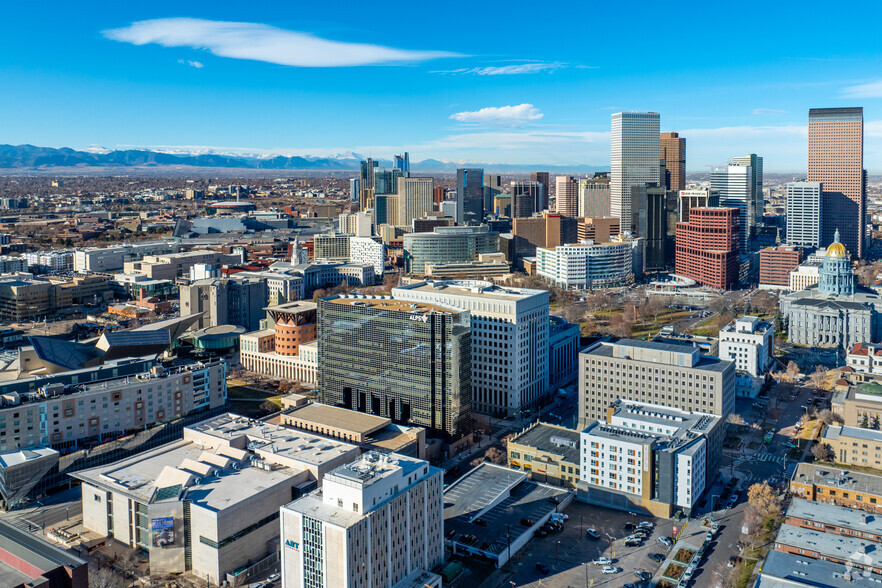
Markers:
point(320, 81)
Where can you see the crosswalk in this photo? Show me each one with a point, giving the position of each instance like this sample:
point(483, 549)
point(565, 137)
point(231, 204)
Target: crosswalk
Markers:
point(774, 458)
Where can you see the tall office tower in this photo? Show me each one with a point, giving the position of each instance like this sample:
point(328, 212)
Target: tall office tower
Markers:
point(695, 198)
point(566, 189)
point(438, 193)
point(757, 203)
point(414, 199)
point(734, 183)
point(366, 184)
point(492, 189)
point(836, 159)
point(385, 210)
point(526, 198)
point(635, 161)
point(378, 522)
point(510, 339)
point(409, 363)
point(629, 369)
point(542, 178)
point(651, 222)
point(354, 189)
point(673, 152)
point(805, 213)
point(470, 196)
point(402, 163)
point(386, 180)
point(707, 247)
point(593, 197)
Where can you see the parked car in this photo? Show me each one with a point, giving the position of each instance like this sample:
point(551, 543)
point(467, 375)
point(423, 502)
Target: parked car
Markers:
point(527, 522)
point(560, 516)
point(543, 568)
point(641, 575)
point(646, 525)
point(709, 537)
point(273, 577)
point(602, 561)
point(656, 557)
point(666, 541)
point(610, 570)
point(592, 533)
point(630, 526)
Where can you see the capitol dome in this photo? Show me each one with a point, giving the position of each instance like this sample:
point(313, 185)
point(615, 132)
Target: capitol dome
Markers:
point(836, 249)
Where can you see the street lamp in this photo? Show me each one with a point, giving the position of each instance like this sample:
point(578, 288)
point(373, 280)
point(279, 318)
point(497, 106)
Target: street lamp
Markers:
point(555, 552)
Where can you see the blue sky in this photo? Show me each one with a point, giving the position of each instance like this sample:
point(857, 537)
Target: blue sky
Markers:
point(509, 82)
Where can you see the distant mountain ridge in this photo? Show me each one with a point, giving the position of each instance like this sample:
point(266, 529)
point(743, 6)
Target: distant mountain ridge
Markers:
point(30, 157)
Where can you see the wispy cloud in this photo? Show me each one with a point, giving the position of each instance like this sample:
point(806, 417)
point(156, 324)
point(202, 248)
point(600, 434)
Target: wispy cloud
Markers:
point(508, 70)
point(191, 63)
point(500, 115)
point(767, 111)
point(870, 90)
point(261, 42)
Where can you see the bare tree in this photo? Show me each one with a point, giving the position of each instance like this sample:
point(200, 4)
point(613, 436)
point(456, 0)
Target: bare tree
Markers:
point(104, 577)
point(828, 417)
point(818, 376)
point(269, 407)
point(792, 371)
point(823, 452)
point(764, 302)
point(496, 455)
point(735, 419)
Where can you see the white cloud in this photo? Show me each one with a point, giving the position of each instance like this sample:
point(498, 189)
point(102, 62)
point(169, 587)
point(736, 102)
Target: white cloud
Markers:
point(500, 115)
point(871, 90)
point(763, 111)
point(507, 70)
point(196, 64)
point(260, 42)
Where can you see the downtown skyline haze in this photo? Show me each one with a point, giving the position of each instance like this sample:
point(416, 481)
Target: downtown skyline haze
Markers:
point(467, 82)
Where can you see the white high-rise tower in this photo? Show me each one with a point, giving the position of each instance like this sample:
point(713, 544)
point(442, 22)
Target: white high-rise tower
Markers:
point(634, 159)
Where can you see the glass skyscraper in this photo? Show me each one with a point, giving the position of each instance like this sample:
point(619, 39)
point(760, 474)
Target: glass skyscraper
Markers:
point(406, 361)
point(470, 196)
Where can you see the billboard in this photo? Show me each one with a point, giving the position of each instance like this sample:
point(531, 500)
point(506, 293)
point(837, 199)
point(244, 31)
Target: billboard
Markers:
point(163, 531)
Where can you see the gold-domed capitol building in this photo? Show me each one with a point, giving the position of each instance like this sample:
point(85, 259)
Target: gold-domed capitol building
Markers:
point(835, 312)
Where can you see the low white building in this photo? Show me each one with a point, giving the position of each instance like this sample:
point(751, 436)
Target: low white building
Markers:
point(588, 264)
point(807, 274)
point(750, 343)
point(256, 354)
point(865, 357)
point(648, 457)
point(377, 522)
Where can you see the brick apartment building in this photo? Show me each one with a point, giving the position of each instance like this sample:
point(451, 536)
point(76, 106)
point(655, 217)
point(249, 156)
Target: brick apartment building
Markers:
point(707, 247)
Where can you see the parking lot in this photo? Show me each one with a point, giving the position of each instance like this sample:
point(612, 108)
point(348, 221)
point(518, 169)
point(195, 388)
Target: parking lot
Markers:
point(566, 553)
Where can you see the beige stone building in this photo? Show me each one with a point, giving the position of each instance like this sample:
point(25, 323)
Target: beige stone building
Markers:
point(209, 503)
point(855, 446)
point(548, 453)
point(656, 373)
